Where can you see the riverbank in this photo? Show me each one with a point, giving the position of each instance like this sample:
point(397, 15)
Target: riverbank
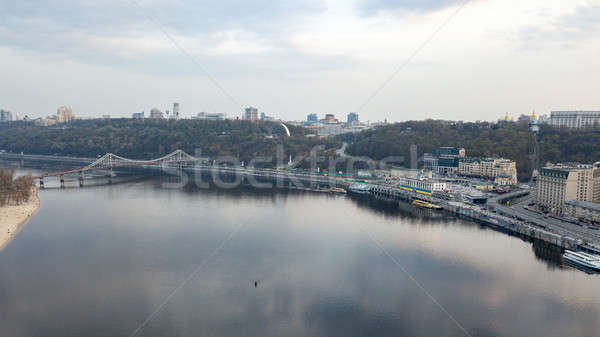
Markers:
point(13, 217)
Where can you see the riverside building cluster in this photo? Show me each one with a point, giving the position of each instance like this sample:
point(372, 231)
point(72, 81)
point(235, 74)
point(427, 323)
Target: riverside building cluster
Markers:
point(453, 161)
point(569, 189)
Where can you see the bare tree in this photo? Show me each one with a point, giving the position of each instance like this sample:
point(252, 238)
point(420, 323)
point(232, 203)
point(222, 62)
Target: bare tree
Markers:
point(14, 191)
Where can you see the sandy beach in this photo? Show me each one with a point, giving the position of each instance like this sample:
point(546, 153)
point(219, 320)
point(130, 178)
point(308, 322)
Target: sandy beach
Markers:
point(12, 218)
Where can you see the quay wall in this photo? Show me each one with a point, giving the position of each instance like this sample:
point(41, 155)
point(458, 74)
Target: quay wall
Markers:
point(503, 223)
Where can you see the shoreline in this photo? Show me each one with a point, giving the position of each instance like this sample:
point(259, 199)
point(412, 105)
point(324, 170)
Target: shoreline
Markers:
point(13, 217)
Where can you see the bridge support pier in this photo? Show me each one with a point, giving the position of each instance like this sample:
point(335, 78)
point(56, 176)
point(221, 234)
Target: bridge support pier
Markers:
point(62, 181)
point(41, 182)
point(81, 179)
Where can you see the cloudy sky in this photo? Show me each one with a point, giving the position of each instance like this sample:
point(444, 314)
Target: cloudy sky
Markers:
point(467, 60)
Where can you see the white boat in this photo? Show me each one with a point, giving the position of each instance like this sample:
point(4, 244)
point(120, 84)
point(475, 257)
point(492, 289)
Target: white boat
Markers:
point(359, 188)
point(583, 259)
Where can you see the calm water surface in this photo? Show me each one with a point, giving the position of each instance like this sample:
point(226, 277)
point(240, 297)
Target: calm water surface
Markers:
point(98, 261)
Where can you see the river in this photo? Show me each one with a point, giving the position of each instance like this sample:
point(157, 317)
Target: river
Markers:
point(137, 258)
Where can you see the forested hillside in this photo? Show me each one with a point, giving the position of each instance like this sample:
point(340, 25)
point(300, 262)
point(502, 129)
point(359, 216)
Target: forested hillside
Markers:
point(246, 140)
point(510, 140)
point(150, 138)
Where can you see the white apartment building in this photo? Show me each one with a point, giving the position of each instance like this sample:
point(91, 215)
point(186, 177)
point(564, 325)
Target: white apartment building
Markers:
point(575, 119)
point(251, 114)
point(560, 183)
point(64, 114)
point(504, 171)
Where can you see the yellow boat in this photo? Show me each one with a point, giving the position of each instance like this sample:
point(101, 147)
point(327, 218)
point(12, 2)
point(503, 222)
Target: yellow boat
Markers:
point(337, 190)
point(425, 204)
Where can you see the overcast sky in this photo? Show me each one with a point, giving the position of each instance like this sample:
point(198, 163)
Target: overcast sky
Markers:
point(293, 57)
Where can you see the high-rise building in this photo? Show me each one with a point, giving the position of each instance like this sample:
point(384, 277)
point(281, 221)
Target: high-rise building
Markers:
point(562, 182)
point(64, 114)
point(352, 118)
point(312, 118)
point(251, 114)
point(155, 113)
point(137, 115)
point(176, 110)
point(575, 119)
point(5, 116)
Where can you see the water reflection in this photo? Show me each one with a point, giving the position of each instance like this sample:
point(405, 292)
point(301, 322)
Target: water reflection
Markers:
point(97, 261)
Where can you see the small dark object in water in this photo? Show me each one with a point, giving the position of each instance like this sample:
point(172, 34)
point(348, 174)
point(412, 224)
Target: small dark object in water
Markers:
point(255, 284)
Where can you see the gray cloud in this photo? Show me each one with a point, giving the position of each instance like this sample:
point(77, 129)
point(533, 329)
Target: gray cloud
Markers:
point(371, 7)
point(565, 30)
point(183, 15)
point(109, 32)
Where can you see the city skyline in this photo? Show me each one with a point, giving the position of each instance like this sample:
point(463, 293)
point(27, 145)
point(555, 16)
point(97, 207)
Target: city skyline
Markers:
point(293, 58)
point(299, 168)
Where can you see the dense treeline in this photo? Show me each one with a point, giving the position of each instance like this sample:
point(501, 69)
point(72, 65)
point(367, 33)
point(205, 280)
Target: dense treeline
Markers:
point(14, 191)
point(144, 139)
point(509, 140)
point(150, 138)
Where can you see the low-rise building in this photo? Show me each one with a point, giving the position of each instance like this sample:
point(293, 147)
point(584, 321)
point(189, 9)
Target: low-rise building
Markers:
point(330, 119)
point(420, 185)
point(157, 114)
point(399, 172)
point(575, 119)
point(489, 168)
point(583, 210)
point(561, 182)
point(210, 116)
point(331, 130)
point(51, 120)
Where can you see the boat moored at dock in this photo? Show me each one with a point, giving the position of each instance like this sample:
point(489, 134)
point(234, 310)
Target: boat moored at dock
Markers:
point(359, 188)
point(581, 259)
point(425, 204)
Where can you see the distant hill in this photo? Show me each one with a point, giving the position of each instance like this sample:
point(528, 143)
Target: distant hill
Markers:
point(509, 140)
point(150, 138)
